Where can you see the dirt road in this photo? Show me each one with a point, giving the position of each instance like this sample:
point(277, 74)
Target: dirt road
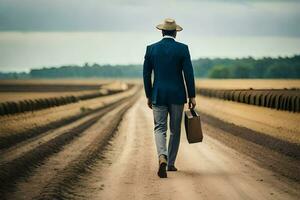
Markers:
point(209, 170)
point(126, 168)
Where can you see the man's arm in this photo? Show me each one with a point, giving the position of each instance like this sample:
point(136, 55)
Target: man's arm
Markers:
point(147, 71)
point(189, 77)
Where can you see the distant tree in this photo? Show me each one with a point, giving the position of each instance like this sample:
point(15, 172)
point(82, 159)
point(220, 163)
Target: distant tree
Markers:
point(219, 72)
point(239, 71)
point(281, 67)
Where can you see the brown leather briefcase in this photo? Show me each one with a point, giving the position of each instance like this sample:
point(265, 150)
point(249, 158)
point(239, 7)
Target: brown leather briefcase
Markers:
point(193, 126)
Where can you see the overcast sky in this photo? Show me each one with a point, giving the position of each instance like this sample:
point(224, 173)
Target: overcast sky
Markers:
point(36, 33)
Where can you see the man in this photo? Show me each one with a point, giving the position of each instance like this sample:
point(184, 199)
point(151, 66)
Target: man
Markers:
point(168, 59)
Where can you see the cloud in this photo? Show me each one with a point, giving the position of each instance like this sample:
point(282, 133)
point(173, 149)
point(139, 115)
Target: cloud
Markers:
point(218, 17)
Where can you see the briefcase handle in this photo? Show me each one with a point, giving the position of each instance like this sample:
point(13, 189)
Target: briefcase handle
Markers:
point(193, 112)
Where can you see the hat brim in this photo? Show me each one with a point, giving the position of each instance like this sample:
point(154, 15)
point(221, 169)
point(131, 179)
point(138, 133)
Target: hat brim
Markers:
point(162, 27)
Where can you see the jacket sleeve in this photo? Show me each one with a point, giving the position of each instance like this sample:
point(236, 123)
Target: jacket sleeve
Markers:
point(188, 73)
point(147, 71)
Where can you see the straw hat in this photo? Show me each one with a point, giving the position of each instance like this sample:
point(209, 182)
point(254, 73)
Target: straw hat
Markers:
point(169, 25)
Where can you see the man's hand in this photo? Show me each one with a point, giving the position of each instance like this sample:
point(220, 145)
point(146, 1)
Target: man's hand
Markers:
point(192, 103)
point(149, 103)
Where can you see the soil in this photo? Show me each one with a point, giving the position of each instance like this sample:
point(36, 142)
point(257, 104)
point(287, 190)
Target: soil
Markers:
point(283, 125)
point(248, 83)
point(112, 155)
point(207, 170)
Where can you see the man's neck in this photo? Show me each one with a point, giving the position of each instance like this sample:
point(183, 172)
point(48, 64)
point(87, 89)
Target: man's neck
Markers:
point(168, 36)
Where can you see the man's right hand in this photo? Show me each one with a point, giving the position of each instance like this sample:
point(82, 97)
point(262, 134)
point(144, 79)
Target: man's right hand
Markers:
point(192, 103)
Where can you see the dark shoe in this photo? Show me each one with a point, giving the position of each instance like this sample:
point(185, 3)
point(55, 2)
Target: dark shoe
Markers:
point(162, 172)
point(172, 168)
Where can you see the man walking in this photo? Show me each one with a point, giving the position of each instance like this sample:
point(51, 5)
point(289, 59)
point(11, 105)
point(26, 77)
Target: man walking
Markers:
point(167, 95)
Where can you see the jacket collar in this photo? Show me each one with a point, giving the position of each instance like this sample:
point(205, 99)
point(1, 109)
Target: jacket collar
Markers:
point(168, 37)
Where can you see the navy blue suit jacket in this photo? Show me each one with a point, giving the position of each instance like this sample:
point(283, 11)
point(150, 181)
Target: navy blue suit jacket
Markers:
point(168, 59)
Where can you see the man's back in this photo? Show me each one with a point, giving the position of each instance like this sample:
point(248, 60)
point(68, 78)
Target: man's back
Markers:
point(168, 59)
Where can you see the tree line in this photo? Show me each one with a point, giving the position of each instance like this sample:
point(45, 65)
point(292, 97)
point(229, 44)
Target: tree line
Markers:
point(287, 67)
point(267, 67)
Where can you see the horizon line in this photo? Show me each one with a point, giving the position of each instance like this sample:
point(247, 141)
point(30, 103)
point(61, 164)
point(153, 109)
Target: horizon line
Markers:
point(128, 64)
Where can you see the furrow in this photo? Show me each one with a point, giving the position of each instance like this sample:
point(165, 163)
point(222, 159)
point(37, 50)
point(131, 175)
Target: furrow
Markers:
point(21, 166)
point(11, 140)
point(61, 184)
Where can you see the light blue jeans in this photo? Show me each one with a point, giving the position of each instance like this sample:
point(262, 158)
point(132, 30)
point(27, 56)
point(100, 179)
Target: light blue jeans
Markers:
point(160, 113)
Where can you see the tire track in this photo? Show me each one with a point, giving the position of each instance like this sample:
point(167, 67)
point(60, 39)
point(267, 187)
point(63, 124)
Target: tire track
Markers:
point(208, 170)
point(123, 169)
point(264, 154)
point(281, 146)
point(8, 141)
point(11, 170)
point(61, 184)
point(17, 150)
